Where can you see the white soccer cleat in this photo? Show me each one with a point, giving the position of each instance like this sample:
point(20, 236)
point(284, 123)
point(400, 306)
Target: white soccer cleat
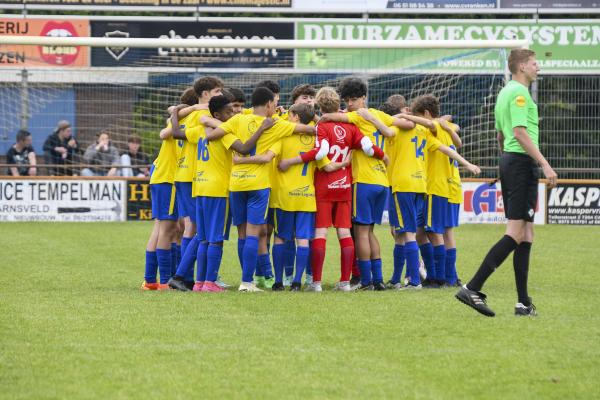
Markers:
point(249, 287)
point(343, 286)
point(411, 287)
point(287, 281)
point(222, 284)
point(397, 286)
point(314, 287)
point(308, 280)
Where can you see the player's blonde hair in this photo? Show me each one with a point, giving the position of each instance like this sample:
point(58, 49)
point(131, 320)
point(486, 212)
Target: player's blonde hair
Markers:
point(328, 100)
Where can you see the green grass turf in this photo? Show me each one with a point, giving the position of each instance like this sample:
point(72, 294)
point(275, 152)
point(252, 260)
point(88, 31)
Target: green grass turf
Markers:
point(73, 324)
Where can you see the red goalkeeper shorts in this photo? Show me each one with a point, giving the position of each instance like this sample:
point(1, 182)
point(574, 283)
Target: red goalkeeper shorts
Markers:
point(336, 213)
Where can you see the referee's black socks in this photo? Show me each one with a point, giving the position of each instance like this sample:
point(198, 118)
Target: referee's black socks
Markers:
point(521, 266)
point(492, 260)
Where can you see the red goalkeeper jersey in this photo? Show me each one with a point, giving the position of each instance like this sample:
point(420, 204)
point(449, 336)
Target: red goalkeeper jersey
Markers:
point(342, 137)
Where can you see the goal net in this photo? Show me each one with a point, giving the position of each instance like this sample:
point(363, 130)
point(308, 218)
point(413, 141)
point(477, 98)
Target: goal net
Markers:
point(133, 99)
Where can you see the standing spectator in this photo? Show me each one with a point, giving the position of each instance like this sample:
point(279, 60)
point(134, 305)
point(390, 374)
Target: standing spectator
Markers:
point(103, 154)
point(60, 149)
point(22, 155)
point(135, 156)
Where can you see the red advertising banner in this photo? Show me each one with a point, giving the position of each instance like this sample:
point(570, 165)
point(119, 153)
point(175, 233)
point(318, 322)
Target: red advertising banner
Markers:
point(44, 56)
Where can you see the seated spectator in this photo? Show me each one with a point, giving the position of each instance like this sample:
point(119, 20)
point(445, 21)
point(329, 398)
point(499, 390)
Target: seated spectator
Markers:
point(60, 149)
point(135, 156)
point(22, 155)
point(102, 155)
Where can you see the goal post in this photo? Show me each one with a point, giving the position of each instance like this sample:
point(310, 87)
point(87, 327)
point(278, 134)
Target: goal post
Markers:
point(132, 99)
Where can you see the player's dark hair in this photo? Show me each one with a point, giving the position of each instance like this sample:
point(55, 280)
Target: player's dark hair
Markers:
point(235, 95)
point(303, 90)
point(352, 88)
point(305, 112)
point(389, 109)
point(424, 103)
point(217, 103)
point(397, 100)
point(207, 83)
point(518, 56)
point(189, 97)
point(271, 85)
point(261, 96)
point(22, 134)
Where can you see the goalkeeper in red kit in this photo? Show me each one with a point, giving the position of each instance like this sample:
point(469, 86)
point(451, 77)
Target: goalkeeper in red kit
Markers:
point(333, 186)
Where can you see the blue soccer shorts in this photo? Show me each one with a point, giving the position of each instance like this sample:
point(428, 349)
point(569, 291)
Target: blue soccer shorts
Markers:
point(251, 206)
point(368, 203)
point(164, 201)
point(407, 211)
point(452, 215)
point(294, 224)
point(213, 218)
point(185, 201)
point(436, 211)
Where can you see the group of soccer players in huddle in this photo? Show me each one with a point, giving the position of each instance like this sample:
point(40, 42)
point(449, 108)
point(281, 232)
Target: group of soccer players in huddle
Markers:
point(285, 176)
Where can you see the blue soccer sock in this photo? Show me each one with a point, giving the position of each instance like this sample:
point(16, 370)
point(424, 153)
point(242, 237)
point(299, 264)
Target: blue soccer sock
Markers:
point(439, 254)
point(201, 261)
point(186, 265)
point(451, 275)
point(289, 256)
point(365, 271)
point(241, 243)
point(250, 256)
point(184, 244)
point(214, 255)
point(174, 258)
point(264, 261)
point(302, 256)
point(428, 260)
point(377, 270)
point(308, 263)
point(398, 263)
point(165, 259)
point(411, 252)
point(267, 266)
point(151, 267)
point(278, 257)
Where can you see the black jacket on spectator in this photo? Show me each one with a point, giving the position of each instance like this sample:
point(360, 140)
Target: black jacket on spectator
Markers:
point(138, 158)
point(20, 159)
point(53, 157)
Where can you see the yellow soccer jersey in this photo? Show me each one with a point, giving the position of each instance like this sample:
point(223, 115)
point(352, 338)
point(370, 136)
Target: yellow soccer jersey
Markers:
point(367, 169)
point(439, 166)
point(246, 177)
point(165, 163)
point(213, 168)
point(408, 153)
point(294, 190)
point(455, 182)
point(193, 129)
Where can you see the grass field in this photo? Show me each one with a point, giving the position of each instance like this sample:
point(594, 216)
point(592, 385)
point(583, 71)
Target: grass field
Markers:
point(73, 324)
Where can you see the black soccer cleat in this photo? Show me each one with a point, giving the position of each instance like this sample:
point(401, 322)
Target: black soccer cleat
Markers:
point(430, 284)
point(355, 280)
point(295, 287)
point(475, 300)
point(525, 311)
point(177, 283)
point(379, 286)
point(277, 287)
point(368, 287)
point(189, 284)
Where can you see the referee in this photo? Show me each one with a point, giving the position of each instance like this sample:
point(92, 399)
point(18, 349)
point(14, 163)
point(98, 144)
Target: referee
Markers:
point(516, 117)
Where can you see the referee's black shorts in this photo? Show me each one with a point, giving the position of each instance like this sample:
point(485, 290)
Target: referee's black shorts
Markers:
point(519, 175)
